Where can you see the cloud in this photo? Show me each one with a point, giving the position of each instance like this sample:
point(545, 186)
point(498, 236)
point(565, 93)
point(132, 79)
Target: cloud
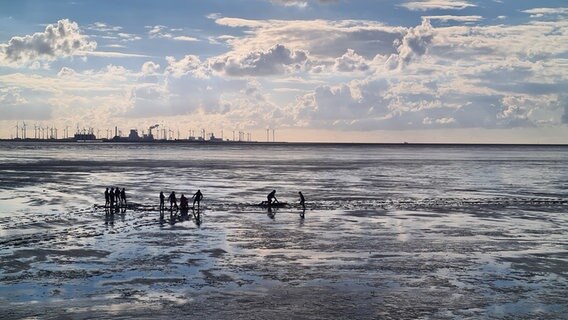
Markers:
point(103, 27)
point(188, 65)
point(213, 16)
point(415, 42)
point(66, 72)
point(425, 5)
point(289, 3)
point(63, 39)
point(124, 37)
point(185, 38)
point(150, 68)
point(351, 61)
point(164, 32)
point(11, 96)
point(323, 74)
point(14, 106)
point(414, 101)
point(446, 18)
point(112, 54)
point(299, 3)
point(542, 12)
point(276, 60)
point(321, 38)
point(158, 31)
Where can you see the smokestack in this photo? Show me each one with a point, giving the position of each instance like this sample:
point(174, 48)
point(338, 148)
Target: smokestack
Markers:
point(116, 131)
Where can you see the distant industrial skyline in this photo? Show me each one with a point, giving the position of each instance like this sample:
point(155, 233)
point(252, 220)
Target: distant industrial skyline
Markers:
point(23, 131)
point(348, 71)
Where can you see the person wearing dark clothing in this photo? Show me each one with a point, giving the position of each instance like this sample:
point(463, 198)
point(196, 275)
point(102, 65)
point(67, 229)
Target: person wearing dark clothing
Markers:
point(302, 200)
point(197, 198)
point(183, 202)
point(271, 196)
point(123, 196)
point(173, 200)
point(162, 198)
point(117, 196)
point(111, 196)
point(107, 200)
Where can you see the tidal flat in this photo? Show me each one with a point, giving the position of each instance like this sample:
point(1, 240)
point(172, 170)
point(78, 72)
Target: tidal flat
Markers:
point(388, 232)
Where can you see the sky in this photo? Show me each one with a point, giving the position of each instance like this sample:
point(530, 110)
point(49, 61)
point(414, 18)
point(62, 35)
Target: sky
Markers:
point(493, 71)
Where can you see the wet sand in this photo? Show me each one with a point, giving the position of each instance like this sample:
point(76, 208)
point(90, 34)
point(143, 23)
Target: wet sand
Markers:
point(393, 264)
point(491, 244)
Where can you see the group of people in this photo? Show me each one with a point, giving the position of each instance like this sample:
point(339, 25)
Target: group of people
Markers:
point(271, 198)
point(183, 202)
point(115, 197)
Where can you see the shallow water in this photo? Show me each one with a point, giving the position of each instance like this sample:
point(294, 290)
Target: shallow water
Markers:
point(401, 232)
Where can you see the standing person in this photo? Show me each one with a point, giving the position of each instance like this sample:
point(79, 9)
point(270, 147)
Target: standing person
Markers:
point(107, 200)
point(271, 196)
point(197, 198)
point(173, 200)
point(117, 196)
point(123, 196)
point(183, 203)
point(162, 197)
point(111, 197)
point(302, 200)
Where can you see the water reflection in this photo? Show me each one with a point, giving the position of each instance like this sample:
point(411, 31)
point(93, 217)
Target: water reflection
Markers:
point(271, 213)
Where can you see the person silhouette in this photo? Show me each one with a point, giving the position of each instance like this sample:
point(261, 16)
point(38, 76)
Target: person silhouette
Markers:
point(123, 196)
point(302, 200)
point(173, 200)
point(270, 197)
point(183, 202)
point(117, 196)
point(197, 198)
point(111, 196)
point(162, 198)
point(107, 200)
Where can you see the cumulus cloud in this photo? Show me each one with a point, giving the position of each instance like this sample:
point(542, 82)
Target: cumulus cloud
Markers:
point(66, 72)
point(419, 102)
point(276, 60)
point(58, 40)
point(150, 68)
point(351, 61)
point(190, 64)
point(437, 4)
point(345, 74)
point(416, 41)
